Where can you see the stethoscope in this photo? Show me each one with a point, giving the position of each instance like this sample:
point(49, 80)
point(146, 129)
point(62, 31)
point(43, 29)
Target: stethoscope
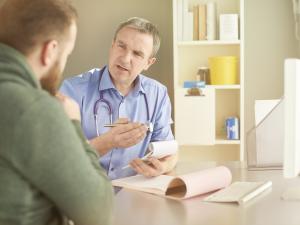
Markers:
point(108, 105)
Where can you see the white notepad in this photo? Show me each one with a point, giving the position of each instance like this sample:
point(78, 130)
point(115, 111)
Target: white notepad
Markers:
point(239, 192)
point(159, 150)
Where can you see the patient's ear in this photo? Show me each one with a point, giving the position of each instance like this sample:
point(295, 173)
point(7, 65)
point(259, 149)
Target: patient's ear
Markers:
point(49, 52)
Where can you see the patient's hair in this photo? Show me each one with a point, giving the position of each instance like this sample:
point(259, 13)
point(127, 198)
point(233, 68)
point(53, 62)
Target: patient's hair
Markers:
point(25, 24)
point(143, 26)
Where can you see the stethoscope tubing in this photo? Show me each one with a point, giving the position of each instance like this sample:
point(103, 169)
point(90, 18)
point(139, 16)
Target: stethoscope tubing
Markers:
point(109, 107)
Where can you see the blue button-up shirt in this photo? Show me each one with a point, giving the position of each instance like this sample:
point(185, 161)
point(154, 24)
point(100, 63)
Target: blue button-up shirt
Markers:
point(85, 89)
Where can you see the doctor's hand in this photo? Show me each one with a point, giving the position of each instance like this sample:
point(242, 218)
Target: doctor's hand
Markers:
point(70, 106)
point(126, 134)
point(152, 167)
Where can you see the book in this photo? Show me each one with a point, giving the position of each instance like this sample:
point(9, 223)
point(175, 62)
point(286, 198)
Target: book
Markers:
point(202, 21)
point(159, 149)
point(239, 192)
point(196, 22)
point(186, 22)
point(194, 84)
point(211, 21)
point(190, 26)
point(179, 187)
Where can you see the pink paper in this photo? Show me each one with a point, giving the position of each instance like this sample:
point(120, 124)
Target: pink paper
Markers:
point(207, 180)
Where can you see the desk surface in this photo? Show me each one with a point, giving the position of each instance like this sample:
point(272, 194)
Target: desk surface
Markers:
point(138, 208)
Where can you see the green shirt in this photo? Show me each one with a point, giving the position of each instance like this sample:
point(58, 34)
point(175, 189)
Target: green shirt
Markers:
point(48, 172)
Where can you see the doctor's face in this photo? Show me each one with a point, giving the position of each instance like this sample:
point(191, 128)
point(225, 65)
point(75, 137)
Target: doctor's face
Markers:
point(130, 54)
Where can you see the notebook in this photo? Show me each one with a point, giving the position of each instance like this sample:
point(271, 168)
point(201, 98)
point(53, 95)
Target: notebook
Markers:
point(239, 192)
point(179, 187)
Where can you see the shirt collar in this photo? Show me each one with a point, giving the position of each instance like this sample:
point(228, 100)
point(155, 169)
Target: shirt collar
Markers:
point(138, 87)
point(106, 83)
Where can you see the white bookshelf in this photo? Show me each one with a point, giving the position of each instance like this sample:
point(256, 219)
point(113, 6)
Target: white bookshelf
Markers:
point(237, 86)
point(213, 42)
point(200, 120)
point(221, 140)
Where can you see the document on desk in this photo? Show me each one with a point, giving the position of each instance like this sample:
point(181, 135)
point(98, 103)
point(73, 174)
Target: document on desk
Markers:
point(179, 187)
point(239, 192)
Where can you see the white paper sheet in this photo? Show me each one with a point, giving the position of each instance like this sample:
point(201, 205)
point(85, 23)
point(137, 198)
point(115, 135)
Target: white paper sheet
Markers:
point(161, 149)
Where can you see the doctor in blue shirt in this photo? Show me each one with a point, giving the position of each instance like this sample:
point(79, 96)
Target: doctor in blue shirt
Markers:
point(119, 93)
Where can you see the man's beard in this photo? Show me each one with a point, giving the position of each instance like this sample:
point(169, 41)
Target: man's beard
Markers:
point(51, 80)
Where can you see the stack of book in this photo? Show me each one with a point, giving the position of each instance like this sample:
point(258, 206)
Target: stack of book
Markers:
point(198, 23)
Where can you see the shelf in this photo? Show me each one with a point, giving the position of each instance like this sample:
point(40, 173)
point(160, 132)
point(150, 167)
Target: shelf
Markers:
point(203, 43)
point(223, 141)
point(234, 86)
point(218, 87)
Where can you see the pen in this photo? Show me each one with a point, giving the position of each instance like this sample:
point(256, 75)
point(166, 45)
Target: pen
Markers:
point(125, 167)
point(117, 124)
point(113, 124)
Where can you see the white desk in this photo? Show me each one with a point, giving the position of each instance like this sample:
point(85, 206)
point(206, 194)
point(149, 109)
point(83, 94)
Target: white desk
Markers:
point(137, 208)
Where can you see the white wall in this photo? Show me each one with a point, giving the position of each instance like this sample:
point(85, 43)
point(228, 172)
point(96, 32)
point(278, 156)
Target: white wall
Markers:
point(269, 39)
point(97, 23)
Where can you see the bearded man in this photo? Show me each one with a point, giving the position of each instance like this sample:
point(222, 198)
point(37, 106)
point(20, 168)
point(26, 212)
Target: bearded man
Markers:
point(49, 174)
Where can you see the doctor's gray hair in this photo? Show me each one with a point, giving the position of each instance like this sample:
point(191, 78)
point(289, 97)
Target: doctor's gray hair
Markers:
point(143, 26)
